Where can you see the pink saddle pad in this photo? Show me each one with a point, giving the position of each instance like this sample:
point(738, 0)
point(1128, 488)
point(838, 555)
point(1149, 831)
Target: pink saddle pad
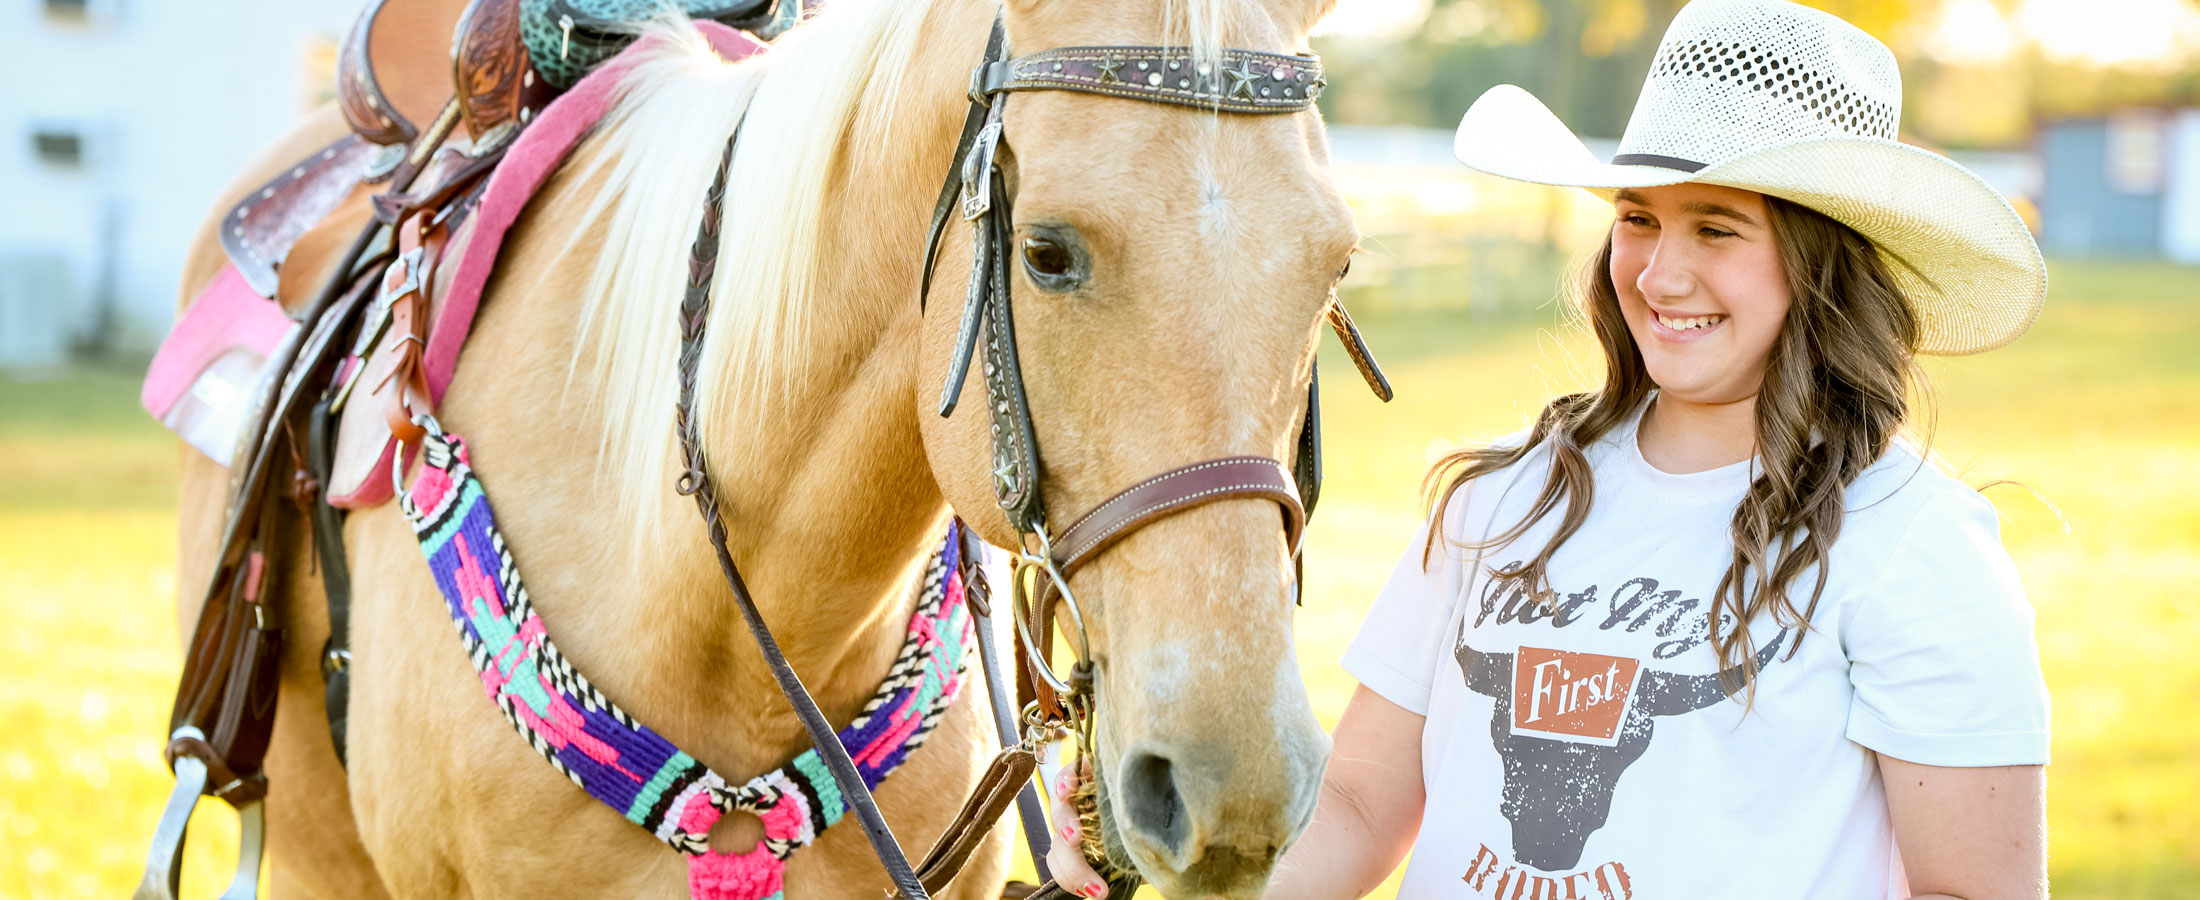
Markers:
point(210, 366)
point(207, 371)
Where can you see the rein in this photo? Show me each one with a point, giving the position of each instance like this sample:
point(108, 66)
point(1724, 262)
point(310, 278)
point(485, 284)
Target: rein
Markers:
point(694, 312)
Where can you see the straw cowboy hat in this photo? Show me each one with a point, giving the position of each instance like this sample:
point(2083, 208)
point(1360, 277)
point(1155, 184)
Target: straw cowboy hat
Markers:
point(1785, 100)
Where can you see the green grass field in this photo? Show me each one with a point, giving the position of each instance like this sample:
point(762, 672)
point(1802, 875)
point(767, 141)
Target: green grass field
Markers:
point(2096, 413)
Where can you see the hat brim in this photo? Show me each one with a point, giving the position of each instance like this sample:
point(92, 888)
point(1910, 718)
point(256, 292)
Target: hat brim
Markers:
point(1964, 257)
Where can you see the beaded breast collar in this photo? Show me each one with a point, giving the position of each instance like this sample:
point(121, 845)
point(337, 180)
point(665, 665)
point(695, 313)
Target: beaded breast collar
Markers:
point(623, 763)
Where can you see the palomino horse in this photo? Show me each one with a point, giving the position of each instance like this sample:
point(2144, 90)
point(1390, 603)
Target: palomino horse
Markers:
point(1207, 245)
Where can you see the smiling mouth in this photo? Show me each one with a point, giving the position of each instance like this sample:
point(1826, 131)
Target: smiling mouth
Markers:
point(1691, 323)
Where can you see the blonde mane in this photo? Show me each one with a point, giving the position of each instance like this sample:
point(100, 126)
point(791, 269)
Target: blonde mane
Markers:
point(657, 151)
point(822, 94)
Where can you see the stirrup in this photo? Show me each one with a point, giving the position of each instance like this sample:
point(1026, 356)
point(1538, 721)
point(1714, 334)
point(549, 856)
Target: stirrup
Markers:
point(164, 864)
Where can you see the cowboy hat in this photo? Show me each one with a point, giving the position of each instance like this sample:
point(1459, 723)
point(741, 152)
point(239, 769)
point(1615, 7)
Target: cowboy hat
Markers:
point(1781, 99)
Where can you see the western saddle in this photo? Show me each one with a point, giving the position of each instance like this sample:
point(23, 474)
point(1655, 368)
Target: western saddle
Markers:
point(349, 242)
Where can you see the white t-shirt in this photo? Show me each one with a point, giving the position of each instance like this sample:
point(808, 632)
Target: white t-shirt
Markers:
point(1585, 749)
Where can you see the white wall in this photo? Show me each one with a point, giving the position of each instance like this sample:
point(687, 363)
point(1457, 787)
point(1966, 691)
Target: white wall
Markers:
point(173, 96)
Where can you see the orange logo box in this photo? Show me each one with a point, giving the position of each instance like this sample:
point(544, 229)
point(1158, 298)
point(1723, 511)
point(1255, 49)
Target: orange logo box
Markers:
point(1579, 697)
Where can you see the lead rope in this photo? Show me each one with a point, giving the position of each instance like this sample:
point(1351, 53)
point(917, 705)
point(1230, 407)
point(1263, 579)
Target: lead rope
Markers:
point(694, 309)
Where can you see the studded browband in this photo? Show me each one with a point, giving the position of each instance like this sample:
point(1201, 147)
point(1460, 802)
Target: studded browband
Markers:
point(1234, 81)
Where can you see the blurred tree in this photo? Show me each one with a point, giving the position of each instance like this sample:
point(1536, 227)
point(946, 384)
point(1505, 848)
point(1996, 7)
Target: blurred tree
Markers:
point(1586, 59)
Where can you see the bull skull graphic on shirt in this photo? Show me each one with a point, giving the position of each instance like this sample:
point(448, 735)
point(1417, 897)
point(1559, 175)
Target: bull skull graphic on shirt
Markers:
point(1567, 724)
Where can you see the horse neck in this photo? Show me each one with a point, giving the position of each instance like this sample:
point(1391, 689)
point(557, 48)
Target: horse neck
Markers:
point(828, 498)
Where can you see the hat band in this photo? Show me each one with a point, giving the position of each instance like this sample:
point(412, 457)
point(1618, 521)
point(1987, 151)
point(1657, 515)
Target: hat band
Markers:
point(1652, 159)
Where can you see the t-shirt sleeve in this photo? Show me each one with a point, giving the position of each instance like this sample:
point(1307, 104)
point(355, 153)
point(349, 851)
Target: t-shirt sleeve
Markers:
point(1404, 638)
point(1941, 650)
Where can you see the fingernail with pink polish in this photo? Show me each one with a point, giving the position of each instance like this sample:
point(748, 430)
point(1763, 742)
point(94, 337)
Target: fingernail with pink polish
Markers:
point(1096, 889)
point(1069, 832)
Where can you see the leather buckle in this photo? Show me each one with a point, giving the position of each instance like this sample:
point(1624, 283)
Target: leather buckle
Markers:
point(406, 282)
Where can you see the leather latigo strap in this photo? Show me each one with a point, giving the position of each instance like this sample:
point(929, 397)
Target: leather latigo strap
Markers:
point(230, 698)
point(1240, 81)
point(393, 372)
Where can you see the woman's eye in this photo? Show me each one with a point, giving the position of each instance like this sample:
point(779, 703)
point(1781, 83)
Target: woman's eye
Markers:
point(1710, 232)
point(1638, 221)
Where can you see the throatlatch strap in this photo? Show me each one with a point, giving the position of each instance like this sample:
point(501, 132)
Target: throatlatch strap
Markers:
point(623, 763)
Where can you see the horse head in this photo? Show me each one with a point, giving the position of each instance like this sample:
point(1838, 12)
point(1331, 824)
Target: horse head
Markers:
point(1167, 267)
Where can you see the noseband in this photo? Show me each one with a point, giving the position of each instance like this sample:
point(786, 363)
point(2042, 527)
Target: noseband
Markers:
point(1245, 82)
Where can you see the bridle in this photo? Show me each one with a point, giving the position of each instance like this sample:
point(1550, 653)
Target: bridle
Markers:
point(1238, 82)
point(1245, 82)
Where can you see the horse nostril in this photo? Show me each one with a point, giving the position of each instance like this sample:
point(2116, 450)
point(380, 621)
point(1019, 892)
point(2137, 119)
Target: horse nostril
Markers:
point(1150, 799)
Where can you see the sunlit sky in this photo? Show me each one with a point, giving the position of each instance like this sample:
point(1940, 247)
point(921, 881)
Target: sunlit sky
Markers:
point(2108, 32)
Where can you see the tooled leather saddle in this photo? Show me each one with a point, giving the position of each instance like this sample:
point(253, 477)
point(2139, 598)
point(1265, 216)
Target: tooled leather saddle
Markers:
point(356, 270)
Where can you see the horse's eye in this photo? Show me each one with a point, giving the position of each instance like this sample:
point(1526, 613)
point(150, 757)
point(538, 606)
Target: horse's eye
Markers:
point(1047, 257)
point(1347, 270)
point(1051, 265)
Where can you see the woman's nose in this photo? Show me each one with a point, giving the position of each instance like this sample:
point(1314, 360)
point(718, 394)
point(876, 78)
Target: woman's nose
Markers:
point(1668, 276)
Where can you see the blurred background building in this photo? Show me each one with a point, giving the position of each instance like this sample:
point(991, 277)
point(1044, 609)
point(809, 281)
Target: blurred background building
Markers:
point(2125, 184)
point(119, 121)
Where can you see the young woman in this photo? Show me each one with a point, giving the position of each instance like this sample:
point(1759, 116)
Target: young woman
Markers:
point(1712, 629)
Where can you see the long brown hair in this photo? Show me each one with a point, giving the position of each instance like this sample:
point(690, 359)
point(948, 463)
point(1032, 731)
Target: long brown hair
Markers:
point(1835, 394)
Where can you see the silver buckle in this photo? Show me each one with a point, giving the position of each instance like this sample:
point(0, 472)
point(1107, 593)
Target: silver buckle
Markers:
point(976, 199)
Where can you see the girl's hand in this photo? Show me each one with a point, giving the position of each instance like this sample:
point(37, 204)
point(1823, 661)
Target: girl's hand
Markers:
point(1065, 857)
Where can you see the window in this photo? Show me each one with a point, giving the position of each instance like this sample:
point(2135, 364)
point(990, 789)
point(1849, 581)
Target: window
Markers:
point(69, 10)
point(59, 148)
point(2137, 146)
